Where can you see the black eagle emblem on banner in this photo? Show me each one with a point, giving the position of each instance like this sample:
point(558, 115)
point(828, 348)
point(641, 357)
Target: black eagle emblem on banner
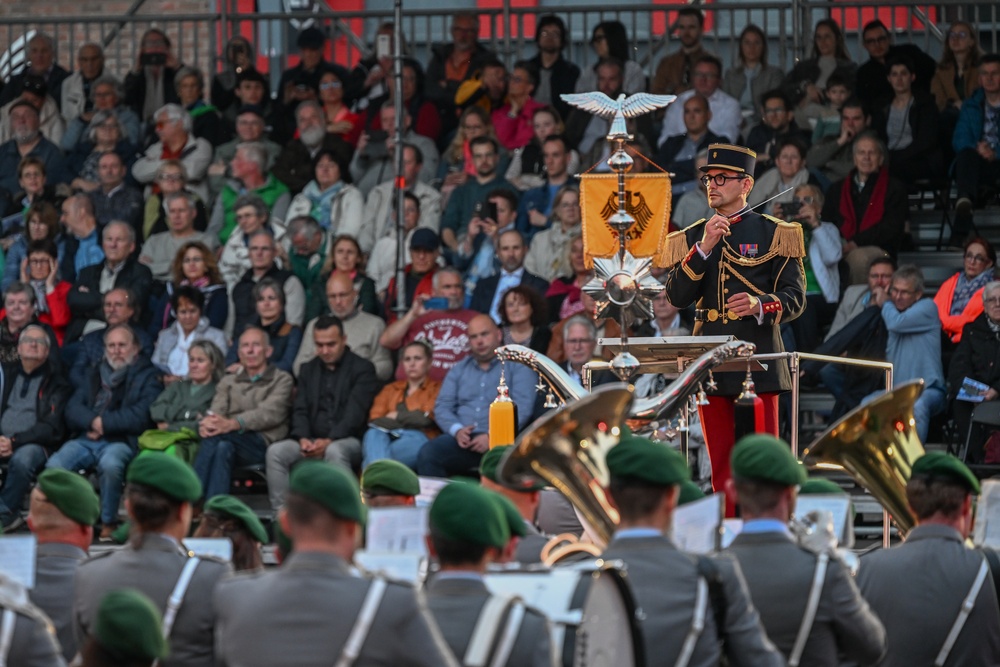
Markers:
point(635, 205)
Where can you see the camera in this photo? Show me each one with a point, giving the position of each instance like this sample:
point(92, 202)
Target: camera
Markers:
point(489, 211)
point(376, 149)
point(790, 209)
point(153, 59)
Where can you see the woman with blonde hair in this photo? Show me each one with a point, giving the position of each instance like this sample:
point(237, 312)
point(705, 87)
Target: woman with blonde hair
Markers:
point(957, 74)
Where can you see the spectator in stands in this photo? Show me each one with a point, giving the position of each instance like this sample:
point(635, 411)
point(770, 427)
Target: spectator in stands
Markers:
point(556, 75)
point(957, 74)
point(160, 250)
point(446, 328)
point(726, 115)
point(262, 249)
point(523, 318)
point(20, 309)
point(379, 209)
point(977, 358)
point(187, 399)
point(869, 207)
point(610, 41)
point(335, 393)
point(401, 419)
point(41, 222)
point(959, 299)
point(369, 78)
point(833, 157)
point(239, 57)
point(373, 160)
point(252, 216)
point(548, 255)
point(476, 255)
point(293, 165)
point(120, 307)
point(41, 62)
point(194, 264)
point(83, 246)
point(427, 118)
point(34, 188)
point(808, 78)
point(120, 268)
point(40, 270)
point(584, 130)
point(693, 204)
point(856, 298)
point(579, 346)
point(527, 169)
point(345, 259)
point(50, 121)
point(872, 84)
point(425, 249)
point(170, 354)
point(914, 345)
point(381, 265)
point(250, 128)
point(113, 198)
point(332, 201)
point(486, 89)
point(27, 141)
point(535, 209)
point(306, 251)
point(106, 414)
point(176, 142)
point(827, 115)
point(563, 295)
point(752, 77)
point(908, 123)
point(339, 118)
point(678, 151)
point(513, 120)
point(249, 178)
point(976, 141)
point(462, 407)
point(206, 122)
point(252, 91)
point(789, 171)
point(248, 413)
point(675, 72)
point(171, 178)
point(456, 165)
point(301, 82)
point(668, 320)
point(363, 329)
point(106, 95)
point(489, 291)
point(451, 64)
point(778, 123)
point(31, 419)
point(150, 84)
point(606, 328)
point(462, 203)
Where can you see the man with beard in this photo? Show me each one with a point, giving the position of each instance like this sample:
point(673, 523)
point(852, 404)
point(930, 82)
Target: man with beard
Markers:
point(294, 164)
point(26, 139)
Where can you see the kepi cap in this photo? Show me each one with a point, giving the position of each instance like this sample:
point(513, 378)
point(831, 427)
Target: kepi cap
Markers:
point(729, 156)
point(235, 508)
point(653, 462)
point(386, 477)
point(467, 513)
point(165, 473)
point(763, 457)
point(72, 495)
point(950, 468)
point(129, 626)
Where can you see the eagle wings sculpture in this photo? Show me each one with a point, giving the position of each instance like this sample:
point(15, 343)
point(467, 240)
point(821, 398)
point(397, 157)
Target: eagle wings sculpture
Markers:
point(618, 110)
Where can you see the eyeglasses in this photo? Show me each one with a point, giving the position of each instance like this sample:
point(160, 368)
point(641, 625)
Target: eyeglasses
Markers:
point(957, 34)
point(39, 261)
point(975, 258)
point(170, 177)
point(773, 110)
point(995, 301)
point(808, 199)
point(549, 33)
point(31, 340)
point(720, 179)
point(704, 75)
point(881, 39)
point(330, 85)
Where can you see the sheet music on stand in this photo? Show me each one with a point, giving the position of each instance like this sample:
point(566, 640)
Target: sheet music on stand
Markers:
point(838, 505)
point(218, 547)
point(670, 355)
point(697, 526)
point(397, 530)
point(17, 558)
point(987, 529)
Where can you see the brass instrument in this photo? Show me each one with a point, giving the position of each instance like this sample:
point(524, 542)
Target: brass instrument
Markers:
point(877, 444)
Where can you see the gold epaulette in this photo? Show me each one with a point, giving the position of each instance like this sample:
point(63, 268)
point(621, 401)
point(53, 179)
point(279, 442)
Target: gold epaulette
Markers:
point(788, 240)
point(677, 244)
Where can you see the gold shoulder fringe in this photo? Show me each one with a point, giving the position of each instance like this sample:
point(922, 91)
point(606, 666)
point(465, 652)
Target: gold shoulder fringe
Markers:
point(677, 246)
point(788, 240)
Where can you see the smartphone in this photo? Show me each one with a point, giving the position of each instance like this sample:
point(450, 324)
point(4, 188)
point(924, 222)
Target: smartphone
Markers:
point(383, 47)
point(489, 211)
point(436, 303)
point(149, 59)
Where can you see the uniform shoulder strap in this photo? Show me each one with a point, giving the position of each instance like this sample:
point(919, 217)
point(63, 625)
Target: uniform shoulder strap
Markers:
point(812, 604)
point(363, 624)
point(176, 598)
point(709, 571)
point(7, 621)
point(484, 648)
point(963, 615)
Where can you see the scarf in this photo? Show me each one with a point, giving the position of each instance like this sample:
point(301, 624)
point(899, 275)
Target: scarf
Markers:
point(322, 201)
point(110, 380)
point(873, 212)
point(965, 288)
point(41, 304)
point(177, 360)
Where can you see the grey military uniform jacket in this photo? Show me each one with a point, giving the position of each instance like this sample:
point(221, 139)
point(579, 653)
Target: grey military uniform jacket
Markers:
point(529, 548)
point(153, 567)
point(917, 589)
point(55, 571)
point(301, 614)
point(456, 603)
point(664, 581)
point(779, 575)
point(34, 642)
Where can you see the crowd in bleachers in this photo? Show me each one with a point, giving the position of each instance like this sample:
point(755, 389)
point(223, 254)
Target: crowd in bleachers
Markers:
point(222, 268)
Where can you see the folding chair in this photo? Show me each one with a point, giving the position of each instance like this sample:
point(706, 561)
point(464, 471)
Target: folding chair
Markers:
point(986, 413)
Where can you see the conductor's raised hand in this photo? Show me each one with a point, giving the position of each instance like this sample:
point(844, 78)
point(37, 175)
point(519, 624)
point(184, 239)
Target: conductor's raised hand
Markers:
point(713, 231)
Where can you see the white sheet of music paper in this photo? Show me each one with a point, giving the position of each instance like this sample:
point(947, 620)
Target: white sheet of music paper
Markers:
point(697, 525)
point(17, 558)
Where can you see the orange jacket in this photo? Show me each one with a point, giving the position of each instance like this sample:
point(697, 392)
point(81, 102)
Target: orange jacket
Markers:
point(421, 400)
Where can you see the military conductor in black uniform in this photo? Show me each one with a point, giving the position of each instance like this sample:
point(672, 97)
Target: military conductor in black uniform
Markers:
point(744, 273)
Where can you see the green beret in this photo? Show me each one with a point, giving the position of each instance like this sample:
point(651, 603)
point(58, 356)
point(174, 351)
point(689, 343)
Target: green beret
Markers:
point(648, 461)
point(332, 486)
point(488, 469)
point(165, 473)
point(468, 513)
point(762, 457)
point(129, 626)
point(237, 509)
point(818, 486)
point(72, 495)
point(939, 464)
point(388, 477)
point(515, 522)
point(282, 540)
point(690, 492)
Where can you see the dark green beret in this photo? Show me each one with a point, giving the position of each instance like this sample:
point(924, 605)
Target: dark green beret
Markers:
point(690, 492)
point(237, 509)
point(468, 513)
point(939, 464)
point(491, 461)
point(818, 486)
point(72, 495)
point(165, 473)
point(333, 487)
point(762, 457)
point(282, 540)
point(129, 626)
point(515, 522)
point(649, 461)
point(388, 477)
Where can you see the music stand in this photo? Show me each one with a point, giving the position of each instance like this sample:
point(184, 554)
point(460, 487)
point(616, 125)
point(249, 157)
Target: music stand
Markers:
point(670, 355)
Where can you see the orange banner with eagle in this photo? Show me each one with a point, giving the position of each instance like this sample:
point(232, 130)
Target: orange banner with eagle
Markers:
point(647, 199)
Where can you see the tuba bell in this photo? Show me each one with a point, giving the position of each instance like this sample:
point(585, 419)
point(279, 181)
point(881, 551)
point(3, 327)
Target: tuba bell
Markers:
point(877, 444)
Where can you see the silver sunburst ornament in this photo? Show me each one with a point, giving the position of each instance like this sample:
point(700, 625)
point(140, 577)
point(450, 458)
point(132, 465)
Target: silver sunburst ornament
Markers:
point(623, 286)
